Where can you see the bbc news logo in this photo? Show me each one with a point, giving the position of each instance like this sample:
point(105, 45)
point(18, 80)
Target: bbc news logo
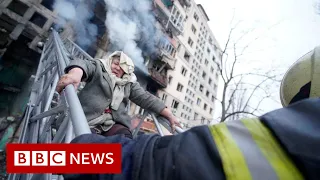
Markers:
point(64, 158)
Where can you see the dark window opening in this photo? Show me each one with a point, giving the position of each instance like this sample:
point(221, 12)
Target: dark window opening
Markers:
point(38, 19)
point(48, 4)
point(18, 7)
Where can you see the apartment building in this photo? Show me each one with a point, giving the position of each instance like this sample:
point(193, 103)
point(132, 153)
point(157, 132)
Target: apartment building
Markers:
point(183, 74)
point(193, 84)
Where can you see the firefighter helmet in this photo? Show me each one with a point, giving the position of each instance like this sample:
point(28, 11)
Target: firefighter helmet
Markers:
point(302, 80)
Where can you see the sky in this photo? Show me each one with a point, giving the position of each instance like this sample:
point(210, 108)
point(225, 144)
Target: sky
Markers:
point(291, 28)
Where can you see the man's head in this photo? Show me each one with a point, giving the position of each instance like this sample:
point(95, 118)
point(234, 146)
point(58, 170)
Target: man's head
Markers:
point(302, 80)
point(115, 66)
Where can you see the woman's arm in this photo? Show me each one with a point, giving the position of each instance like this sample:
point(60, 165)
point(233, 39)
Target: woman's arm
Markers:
point(76, 71)
point(172, 119)
point(150, 102)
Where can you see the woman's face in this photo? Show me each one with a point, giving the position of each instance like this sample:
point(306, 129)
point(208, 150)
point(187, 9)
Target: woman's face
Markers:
point(115, 67)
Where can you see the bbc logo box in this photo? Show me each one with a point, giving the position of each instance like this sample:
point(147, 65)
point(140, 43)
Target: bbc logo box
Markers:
point(64, 158)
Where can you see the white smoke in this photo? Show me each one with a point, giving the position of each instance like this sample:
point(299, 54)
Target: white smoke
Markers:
point(129, 22)
point(78, 13)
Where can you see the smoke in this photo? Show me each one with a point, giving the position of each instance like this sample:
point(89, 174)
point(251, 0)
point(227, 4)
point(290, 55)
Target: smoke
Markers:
point(131, 28)
point(78, 13)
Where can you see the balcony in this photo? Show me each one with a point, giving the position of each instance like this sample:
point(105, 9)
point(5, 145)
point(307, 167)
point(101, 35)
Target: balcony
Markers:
point(186, 3)
point(169, 17)
point(168, 59)
point(159, 77)
point(175, 26)
point(164, 6)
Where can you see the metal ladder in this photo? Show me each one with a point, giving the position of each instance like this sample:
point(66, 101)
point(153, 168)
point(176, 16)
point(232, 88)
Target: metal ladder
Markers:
point(54, 118)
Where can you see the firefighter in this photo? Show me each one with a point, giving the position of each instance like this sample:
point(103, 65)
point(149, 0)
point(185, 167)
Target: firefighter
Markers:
point(282, 144)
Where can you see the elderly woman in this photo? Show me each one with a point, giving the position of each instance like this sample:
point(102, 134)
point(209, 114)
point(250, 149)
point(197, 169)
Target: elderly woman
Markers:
point(110, 84)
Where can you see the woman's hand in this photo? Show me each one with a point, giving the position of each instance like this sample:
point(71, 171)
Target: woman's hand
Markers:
point(73, 77)
point(171, 118)
point(174, 122)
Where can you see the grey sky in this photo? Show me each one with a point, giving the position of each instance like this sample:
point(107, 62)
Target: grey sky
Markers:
point(297, 31)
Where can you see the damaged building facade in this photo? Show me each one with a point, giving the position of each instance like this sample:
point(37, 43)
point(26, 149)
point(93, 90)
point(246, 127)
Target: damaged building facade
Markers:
point(173, 70)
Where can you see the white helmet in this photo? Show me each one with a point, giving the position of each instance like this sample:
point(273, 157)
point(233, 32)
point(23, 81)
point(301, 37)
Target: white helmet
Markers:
point(302, 80)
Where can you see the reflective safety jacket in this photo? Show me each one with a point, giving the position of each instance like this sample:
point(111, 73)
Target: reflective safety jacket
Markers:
point(283, 144)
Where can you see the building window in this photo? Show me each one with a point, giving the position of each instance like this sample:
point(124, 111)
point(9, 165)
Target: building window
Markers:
point(179, 87)
point(201, 88)
point(206, 62)
point(212, 98)
point(183, 71)
point(178, 47)
point(186, 56)
point(193, 29)
point(207, 93)
point(208, 50)
point(174, 104)
point(190, 42)
point(217, 75)
point(202, 120)
point(170, 79)
point(215, 87)
point(164, 97)
point(211, 69)
point(196, 17)
point(215, 47)
point(198, 101)
point(196, 116)
point(204, 75)
point(210, 81)
point(213, 58)
point(211, 110)
point(205, 106)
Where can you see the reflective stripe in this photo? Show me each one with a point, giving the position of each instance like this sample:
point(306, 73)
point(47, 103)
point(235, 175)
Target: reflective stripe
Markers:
point(255, 160)
point(249, 151)
point(279, 160)
point(234, 164)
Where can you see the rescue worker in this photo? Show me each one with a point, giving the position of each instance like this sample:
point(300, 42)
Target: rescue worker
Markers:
point(282, 144)
point(110, 84)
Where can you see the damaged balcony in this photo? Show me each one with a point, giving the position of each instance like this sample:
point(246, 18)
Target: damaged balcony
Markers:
point(167, 52)
point(169, 17)
point(158, 73)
